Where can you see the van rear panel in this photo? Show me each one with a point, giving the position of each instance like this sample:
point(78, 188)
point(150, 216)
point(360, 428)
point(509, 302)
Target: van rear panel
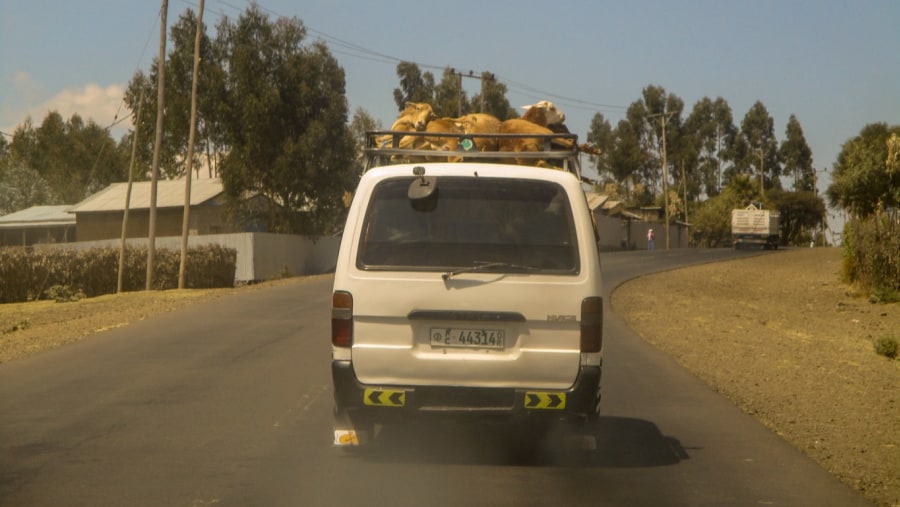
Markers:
point(467, 279)
point(476, 330)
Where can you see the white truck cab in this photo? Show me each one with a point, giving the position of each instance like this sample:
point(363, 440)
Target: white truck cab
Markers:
point(466, 289)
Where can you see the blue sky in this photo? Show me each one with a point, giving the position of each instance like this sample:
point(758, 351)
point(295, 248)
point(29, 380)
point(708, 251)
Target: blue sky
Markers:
point(834, 64)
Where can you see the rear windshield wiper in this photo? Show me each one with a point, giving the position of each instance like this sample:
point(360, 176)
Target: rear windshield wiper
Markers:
point(488, 265)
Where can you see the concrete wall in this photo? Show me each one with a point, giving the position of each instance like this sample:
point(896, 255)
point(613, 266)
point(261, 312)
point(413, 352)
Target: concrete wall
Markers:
point(260, 256)
point(615, 231)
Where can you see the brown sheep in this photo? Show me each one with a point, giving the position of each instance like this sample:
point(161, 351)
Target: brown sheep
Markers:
point(523, 126)
point(441, 143)
point(481, 123)
point(414, 117)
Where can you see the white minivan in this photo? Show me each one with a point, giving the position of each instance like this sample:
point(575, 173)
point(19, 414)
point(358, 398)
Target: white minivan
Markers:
point(466, 289)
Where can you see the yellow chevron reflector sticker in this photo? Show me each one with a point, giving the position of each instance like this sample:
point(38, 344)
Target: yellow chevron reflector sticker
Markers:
point(384, 398)
point(545, 401)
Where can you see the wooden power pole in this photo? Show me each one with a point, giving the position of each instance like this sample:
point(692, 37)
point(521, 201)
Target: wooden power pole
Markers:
point(160, 107)
point(186, 222)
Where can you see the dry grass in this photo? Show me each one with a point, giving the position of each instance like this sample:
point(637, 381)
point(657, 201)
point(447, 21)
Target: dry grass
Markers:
point(786, 341)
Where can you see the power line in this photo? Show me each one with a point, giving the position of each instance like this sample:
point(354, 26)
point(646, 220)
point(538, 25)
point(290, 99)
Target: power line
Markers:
point(354, 50)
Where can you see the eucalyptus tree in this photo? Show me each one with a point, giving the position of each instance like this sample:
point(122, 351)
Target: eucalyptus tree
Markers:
point(757, 148)
point(711, 131)
point(284, 117)
point(4, 152)
point(450, 99)
point(22, 187)
point(415, 86)
point(491, 98)
point(655, 116)
point(74, 158)
point(796, 156)
point(628, 159)
point(179, 62)
point(600, 134)
point(361, 123)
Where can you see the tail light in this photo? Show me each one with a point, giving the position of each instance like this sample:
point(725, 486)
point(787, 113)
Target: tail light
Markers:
point(592, 324)
point(342, 319)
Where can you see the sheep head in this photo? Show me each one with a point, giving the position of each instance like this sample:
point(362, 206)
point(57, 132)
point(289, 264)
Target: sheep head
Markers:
point(417, 114)
point(546, 111)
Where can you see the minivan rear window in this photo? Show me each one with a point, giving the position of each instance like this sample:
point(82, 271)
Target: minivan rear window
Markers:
point(498, 224)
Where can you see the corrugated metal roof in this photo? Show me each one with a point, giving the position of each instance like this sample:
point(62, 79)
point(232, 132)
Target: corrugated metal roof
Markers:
point(169, 194)
point(36, 216)
point(596, 200)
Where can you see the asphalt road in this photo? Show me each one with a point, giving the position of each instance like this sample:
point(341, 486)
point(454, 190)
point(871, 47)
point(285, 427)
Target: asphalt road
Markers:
point(228, 403)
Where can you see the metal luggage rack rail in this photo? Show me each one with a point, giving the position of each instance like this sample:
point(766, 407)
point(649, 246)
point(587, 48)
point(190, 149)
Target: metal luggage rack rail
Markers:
point(388, 153)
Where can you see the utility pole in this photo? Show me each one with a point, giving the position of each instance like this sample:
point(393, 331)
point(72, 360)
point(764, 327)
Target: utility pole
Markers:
point(472, 75)
point(160, 107)
point(134, 142)
point(762, 178)
point(186, 221)
point(816, 188)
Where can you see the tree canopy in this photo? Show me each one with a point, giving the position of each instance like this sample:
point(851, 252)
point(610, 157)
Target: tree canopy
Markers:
point(866, 175)
point(73, 158)
point(272, 120)
point(285, 119)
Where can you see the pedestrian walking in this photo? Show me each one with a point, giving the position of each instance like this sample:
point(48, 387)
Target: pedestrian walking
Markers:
point(650, 238)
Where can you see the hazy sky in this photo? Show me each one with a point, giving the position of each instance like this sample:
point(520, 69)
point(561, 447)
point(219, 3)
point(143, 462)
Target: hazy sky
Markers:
point(834, 64)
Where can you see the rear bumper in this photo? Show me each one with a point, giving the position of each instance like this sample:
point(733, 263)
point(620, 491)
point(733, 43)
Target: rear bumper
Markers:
point(381, 403)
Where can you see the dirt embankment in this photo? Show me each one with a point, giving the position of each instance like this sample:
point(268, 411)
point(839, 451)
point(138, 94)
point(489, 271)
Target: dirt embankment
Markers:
point(786, 341)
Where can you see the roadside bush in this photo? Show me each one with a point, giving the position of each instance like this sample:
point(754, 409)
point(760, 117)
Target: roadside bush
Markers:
point(872, 255)
point(887, 346)
point(62, 274)
point(63, 294)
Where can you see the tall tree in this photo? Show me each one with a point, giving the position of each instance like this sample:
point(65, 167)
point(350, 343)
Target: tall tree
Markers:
point(4, 152)
point(75, 159)
point(628, 158)
point(600, 134)
point(863, 180)
point(176, 123)
point(647, 117)
point(286, 123)
point(361, 123)
point(414, 85)
point(450, 99)
point(759, 147)
point(711, 131)
point(491, 99)
point(21, 188)
point(796, 156)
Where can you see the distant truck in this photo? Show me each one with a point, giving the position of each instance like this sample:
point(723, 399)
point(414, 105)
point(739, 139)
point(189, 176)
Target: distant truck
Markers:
point(755, 227)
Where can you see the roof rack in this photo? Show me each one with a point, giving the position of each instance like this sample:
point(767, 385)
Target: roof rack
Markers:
point(383, 148)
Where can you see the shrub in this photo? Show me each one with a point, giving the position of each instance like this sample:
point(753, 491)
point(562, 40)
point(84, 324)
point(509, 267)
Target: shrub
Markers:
point(887, 346)
point(872, 255)
point(64, 294)
point(63, 274)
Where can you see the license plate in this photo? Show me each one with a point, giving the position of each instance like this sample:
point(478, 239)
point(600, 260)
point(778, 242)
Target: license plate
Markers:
point(468, 338)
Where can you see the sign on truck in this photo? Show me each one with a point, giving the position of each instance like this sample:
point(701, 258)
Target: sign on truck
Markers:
point(755, 227)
